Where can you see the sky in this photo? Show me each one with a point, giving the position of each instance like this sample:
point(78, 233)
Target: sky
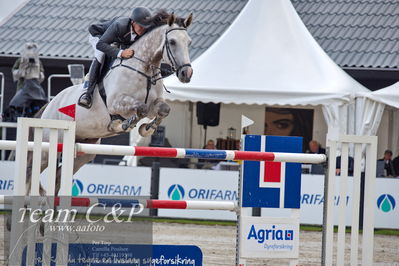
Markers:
point(7, 6)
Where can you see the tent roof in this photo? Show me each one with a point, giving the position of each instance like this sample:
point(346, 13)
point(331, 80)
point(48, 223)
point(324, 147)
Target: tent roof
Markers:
point(267, 56)
point(388, 95)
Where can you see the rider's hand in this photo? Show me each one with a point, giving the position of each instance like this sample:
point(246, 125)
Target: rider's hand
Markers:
point(127, 53)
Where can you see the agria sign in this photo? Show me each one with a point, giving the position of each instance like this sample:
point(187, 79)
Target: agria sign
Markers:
point(272, 237)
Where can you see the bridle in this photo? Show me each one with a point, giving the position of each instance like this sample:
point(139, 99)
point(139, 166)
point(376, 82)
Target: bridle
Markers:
point(152, 79)
point(169, 53)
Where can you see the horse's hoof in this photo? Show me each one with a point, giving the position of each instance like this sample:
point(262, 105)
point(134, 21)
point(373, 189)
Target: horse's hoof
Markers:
point(144, 132)
point(125, 126)
point(114, 126)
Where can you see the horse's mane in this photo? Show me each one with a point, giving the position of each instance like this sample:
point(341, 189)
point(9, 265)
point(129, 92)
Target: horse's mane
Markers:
point(161, 17)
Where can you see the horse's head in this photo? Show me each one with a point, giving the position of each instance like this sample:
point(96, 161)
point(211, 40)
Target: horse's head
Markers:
point(166, 41)
point(175, 50)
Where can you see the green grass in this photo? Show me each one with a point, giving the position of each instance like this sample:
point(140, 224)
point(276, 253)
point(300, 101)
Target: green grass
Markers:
point(314, 228)
point(388, 232)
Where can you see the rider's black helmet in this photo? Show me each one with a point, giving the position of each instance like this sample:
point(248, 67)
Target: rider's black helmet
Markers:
point(142, 16)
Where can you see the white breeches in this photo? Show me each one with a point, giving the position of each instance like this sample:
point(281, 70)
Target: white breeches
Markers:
point(97, 53)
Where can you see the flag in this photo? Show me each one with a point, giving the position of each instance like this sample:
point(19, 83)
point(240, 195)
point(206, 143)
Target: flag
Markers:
point(272, 184)
point(245, 121)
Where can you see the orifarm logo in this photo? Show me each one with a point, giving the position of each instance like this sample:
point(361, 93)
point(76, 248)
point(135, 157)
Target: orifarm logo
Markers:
point(386, 203)
point(77, 187)
point(176, 192)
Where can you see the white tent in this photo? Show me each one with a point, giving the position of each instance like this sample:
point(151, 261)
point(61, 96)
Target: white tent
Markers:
point(267, 56)
point(388, 95)
point(371, 107)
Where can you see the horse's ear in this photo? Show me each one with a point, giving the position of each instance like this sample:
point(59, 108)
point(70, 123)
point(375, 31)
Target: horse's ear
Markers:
point(188, 20)
point(171, 19)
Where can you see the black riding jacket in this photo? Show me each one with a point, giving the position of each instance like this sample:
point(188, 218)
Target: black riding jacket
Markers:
point(116, 30)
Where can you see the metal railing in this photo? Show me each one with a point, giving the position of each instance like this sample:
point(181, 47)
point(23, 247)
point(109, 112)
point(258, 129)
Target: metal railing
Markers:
point(2, 93)
point(49, 97)
point(4, 126)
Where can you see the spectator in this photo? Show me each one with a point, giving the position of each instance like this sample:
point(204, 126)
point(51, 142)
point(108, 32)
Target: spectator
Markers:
point(350, 166)
point(314, 147)
point(28, 66)
point(210, 145)
point(388, 164)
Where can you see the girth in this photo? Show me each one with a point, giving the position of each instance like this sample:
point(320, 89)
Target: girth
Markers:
point(103, 95)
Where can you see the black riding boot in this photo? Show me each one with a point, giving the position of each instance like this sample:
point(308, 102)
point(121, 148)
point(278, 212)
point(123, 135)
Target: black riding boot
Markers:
point(85, 100)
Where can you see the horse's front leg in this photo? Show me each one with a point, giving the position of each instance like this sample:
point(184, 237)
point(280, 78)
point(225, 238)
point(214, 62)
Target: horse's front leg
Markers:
point(161, 110)
point(126, 107)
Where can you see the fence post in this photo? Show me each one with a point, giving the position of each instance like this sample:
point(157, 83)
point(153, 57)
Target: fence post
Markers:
point(370, 145)
point(324, 225)
point(155, 169)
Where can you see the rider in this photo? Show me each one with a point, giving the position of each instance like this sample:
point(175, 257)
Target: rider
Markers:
point(122, 30)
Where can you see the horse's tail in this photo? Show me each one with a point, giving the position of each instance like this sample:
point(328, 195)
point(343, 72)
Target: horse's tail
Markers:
point(40, 112)
point(37, 115)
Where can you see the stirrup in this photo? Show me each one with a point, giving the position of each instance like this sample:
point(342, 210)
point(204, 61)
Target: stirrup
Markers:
point(83, 104)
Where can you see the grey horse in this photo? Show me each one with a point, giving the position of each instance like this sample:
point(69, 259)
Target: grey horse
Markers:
point(133, 90)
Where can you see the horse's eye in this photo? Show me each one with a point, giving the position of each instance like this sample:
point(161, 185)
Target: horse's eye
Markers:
point(172, 42)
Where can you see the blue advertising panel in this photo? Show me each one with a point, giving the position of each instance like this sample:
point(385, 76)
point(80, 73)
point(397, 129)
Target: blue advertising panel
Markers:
point(123, 254)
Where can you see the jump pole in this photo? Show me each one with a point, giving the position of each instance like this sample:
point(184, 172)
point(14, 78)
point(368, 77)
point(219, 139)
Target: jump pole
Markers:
point(122, 150)
point(129, 203)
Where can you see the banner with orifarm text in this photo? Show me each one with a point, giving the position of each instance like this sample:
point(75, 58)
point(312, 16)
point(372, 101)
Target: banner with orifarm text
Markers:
point(189, 184)
point(92, 180)
point(312, 199)
point(111, 180)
